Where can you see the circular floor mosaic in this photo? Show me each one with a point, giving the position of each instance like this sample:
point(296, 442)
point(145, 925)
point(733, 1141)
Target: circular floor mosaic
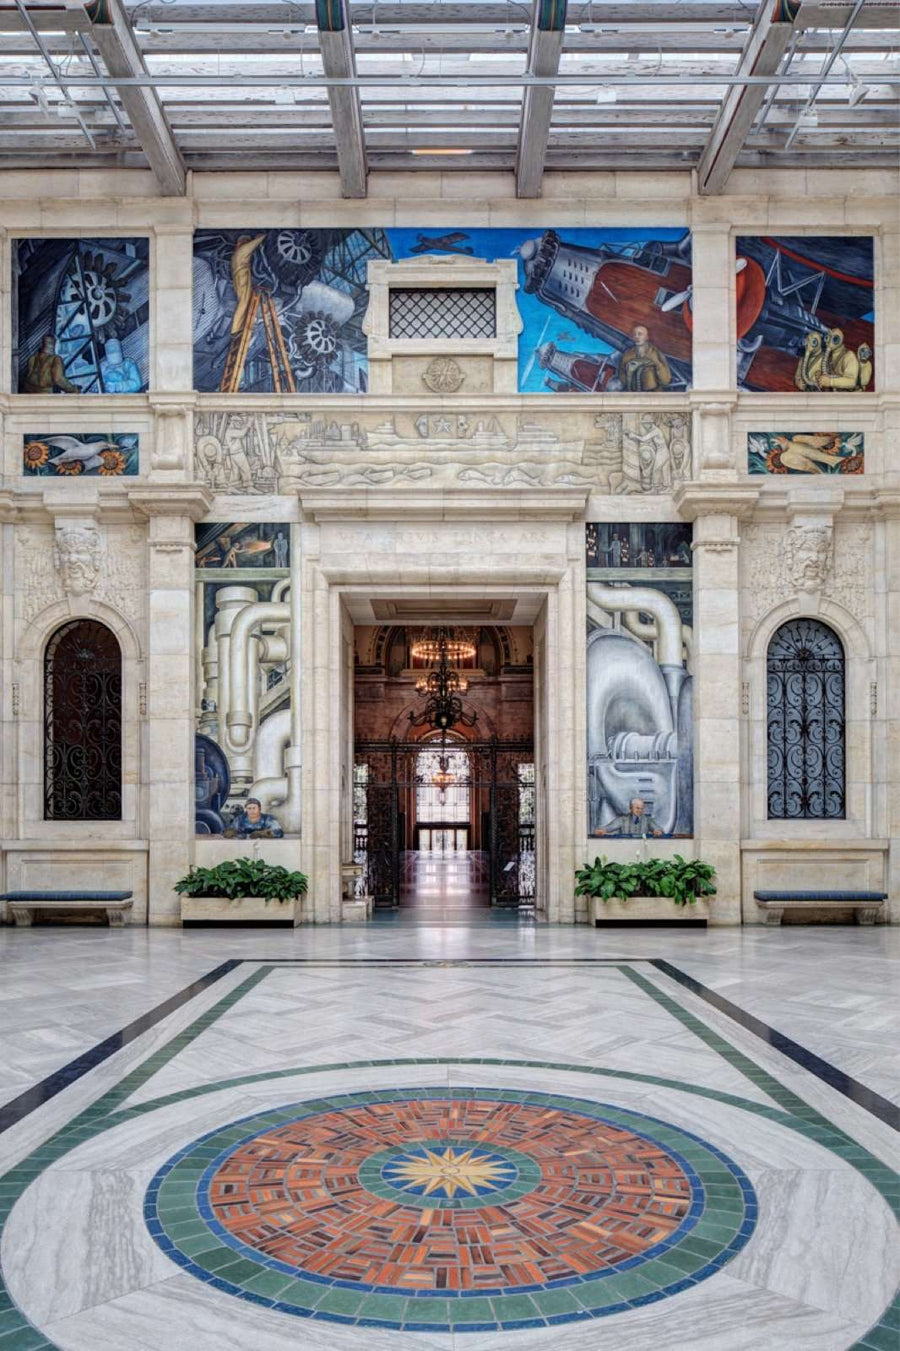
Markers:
point(433, 1210)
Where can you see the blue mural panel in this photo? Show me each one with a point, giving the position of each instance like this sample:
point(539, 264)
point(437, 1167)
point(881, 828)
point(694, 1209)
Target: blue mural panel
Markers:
point(107, 455)
point(283, 310)
point(81, 316)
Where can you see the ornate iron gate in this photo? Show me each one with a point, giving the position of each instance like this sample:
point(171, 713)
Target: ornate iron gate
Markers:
point(500, 821)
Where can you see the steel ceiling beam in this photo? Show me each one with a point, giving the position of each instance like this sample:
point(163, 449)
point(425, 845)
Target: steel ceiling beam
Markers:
point(112, 36)
point(339, 62)
point(548, 23)
point(769, 39)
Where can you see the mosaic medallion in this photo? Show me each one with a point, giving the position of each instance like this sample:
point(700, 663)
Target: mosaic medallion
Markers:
point(433, 1210)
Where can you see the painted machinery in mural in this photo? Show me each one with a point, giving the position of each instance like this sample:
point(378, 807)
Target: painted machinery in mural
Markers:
point(282, 310)
point(639, 682)
point(82, 315)
point(248, 734)
point(805, 313)
point(634, 297)
point(497, 823)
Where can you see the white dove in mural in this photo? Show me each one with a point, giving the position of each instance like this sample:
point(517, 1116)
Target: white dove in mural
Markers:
point(73, 448)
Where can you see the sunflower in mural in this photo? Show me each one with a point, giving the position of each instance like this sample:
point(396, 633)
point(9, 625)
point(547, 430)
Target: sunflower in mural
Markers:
point(36, 454)
point(69, 466)
point(113, 462)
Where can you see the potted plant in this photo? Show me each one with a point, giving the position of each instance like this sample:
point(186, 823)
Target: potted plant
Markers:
point(242, 891)
point(611, 886)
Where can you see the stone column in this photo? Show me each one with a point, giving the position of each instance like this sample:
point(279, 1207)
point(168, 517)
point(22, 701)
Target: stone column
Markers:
point(716, 513)
point(169, 747)
point(886, 709)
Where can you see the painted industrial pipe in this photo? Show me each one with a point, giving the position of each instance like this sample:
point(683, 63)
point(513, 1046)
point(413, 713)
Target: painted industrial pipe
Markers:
point(242, 677)
point(668, 636)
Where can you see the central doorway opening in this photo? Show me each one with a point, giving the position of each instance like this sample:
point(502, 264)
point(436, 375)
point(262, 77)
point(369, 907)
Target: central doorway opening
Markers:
point(444, 781)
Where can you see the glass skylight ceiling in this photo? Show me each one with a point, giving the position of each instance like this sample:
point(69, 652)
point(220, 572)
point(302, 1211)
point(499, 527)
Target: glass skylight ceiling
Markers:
point(639, 85)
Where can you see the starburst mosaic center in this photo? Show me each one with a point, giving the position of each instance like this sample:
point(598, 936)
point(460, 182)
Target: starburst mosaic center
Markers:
point(473, 1210)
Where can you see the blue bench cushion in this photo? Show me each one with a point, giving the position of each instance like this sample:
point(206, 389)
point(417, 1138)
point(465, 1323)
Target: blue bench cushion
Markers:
point(49, 897)
point(821, 895)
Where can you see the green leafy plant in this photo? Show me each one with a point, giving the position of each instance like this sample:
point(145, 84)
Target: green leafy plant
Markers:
point(680, 880)
point(242, 877)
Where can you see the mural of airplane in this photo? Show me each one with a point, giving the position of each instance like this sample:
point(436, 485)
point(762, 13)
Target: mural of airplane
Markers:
point(452, 243)
point(785, 290)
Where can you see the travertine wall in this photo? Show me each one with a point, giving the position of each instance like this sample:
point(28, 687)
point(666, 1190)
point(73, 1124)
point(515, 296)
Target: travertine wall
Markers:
point(458, 530)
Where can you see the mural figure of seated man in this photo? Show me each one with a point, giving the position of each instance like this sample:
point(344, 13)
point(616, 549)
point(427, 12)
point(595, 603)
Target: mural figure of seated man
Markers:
point(633, 823)
point(253, 822)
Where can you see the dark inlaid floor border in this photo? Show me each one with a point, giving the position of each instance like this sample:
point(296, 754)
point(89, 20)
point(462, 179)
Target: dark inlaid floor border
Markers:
point(867, 1098)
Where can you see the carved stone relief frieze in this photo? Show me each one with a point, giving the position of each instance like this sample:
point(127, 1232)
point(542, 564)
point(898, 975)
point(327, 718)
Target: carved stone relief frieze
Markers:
point(628, 452)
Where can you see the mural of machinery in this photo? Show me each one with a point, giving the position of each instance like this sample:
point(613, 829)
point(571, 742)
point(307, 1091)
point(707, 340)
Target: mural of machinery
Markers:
point(81, 315)
point(639, 683)
point(248, 722)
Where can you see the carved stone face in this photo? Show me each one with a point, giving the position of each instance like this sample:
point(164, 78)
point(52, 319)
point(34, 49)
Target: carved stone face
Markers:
point(77, 557)
point(808, 551)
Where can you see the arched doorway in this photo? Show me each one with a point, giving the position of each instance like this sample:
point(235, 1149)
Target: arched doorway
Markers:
point(83, 724)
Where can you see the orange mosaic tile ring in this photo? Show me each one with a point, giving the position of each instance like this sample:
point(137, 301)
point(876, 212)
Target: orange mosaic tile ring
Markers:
point(470, 1210)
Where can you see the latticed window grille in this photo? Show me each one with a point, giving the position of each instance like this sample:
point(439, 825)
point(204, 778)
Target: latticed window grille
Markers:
point(443, 312)
point(805, 724)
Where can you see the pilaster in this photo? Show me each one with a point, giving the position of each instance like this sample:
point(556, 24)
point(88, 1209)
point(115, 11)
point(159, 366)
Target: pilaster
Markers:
point(717, 514)
point(169, 763)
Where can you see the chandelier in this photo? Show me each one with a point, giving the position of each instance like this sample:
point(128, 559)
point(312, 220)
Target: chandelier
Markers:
point(457, 644)
point(442, 690)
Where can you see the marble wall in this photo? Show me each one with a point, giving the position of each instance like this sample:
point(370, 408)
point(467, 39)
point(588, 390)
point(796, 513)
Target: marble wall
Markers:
point(482, 492)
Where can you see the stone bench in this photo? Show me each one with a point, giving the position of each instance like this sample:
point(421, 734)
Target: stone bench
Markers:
point(864, 904)
point(23, 904)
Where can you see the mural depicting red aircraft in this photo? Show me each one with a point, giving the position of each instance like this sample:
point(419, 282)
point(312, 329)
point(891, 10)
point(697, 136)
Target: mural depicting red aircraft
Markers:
point(796, 300)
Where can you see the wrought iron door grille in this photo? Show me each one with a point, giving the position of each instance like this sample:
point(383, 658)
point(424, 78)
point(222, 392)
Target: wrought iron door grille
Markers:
point(805, 726)
point(83, 724)
point(443, 312)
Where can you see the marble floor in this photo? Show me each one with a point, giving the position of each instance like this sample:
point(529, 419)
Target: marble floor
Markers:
point(449, 1136)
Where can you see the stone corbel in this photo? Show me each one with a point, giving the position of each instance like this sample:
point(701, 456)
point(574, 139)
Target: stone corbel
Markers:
point(171, 441)
point(712, 434)
point(191, 500)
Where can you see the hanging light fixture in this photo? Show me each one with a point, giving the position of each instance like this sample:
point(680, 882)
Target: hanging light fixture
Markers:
point(456, 644)
point(442, 688)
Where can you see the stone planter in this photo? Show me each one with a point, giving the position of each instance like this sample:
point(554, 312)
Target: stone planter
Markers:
point(646, 908)
point(245, 910)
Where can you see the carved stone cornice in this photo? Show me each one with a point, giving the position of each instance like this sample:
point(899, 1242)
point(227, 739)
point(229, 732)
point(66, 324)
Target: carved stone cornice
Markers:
point(410, 506)
point(693, 500)
point(192, 500)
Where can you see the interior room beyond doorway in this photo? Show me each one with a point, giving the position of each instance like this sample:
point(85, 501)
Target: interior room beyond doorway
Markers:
point(444, 781)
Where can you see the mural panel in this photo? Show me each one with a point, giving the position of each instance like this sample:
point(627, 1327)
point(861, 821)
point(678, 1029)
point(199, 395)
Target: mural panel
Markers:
point(282, 310)
point(247, 758)
point(81, 316)
point(275, 452)
point(805, 452)
point(107, 454)
point(639, 680)
point(805, 313)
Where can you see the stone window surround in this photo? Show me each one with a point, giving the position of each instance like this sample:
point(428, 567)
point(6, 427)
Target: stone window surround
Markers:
point(438, 273)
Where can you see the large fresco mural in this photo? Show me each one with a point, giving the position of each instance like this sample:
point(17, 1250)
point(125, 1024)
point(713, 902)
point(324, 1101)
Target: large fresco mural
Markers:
point(283, 310)
point(104, 454)
point(247, 755)
point(623, 453)
point(805, 452)
point(81, 316)
point(639, 680)
point(805, 313)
